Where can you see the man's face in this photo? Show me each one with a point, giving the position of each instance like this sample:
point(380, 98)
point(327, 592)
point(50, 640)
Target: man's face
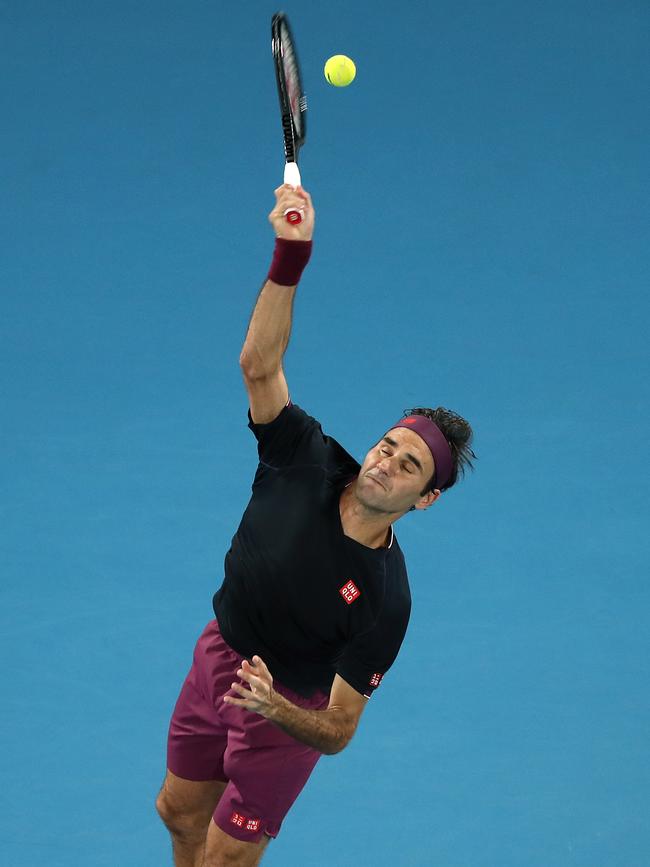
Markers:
point(395, 472)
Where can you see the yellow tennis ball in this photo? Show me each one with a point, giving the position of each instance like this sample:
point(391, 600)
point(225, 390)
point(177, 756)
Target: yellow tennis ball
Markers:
point(340, 70)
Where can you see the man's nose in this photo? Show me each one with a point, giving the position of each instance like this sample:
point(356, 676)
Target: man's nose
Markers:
point(384, 465)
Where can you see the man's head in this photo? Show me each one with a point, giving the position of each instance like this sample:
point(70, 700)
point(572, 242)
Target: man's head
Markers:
point(400, 472)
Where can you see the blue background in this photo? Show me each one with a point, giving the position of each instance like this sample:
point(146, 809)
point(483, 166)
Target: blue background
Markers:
point(483, 243)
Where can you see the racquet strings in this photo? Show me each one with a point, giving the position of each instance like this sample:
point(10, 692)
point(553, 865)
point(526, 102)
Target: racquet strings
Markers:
point(295, 96)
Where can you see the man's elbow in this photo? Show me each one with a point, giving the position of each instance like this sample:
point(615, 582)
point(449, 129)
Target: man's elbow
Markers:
point(256, 367)
point(340, 740)
point(335, 747)
point(249, 363)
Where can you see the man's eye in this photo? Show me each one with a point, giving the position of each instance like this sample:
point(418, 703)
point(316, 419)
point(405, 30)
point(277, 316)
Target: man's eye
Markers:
point(408, 468)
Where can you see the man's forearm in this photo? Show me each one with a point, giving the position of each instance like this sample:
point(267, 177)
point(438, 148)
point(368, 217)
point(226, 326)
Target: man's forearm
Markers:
point(327, 731)
point(270, 327)
point(268, 331)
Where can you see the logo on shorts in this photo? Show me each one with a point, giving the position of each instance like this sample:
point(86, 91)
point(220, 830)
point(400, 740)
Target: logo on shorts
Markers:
point(238, 819)
point(350, 592)
point(375, 680)
point(243, 822)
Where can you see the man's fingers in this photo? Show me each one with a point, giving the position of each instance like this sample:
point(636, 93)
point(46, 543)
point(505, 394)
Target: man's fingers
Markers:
point(291, 195)
point(259, 662)
point(291, 189)
point(257, 665)
point(248, 698)
point(240, 702)
point(284, 190)
point(290, 201)
point(290, 198)
point(253, 679)
point(241, 689)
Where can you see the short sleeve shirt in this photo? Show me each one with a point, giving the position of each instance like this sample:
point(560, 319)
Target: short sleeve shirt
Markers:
point(311, 601)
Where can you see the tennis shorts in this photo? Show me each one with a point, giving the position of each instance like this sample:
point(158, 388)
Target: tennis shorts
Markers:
point(209, 739)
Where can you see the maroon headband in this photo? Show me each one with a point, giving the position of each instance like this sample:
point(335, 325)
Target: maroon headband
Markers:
point(438, 445)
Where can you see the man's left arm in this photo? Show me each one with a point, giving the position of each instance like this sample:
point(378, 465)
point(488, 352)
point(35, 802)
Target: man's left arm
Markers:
point(328, 730)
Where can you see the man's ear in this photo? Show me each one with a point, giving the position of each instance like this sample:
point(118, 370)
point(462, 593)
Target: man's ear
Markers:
point(427, 500)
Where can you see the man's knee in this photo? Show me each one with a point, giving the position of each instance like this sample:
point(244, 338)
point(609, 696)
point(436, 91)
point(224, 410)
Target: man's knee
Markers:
point(186, 807)
point(179, 818)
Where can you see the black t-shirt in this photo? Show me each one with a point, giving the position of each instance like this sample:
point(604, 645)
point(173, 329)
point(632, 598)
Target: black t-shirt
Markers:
point(308, 599)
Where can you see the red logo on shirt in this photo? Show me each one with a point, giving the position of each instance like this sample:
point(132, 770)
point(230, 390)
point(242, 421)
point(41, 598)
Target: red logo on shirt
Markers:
point(375, 680)
point(253, 825)
point(350, 592)
point(238, 819)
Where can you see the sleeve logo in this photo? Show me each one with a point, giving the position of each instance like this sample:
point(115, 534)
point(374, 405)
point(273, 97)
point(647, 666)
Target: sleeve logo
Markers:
point(375, 680)
point(350, 592)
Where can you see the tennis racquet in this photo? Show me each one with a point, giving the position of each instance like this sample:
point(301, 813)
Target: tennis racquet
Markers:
point(293, 102)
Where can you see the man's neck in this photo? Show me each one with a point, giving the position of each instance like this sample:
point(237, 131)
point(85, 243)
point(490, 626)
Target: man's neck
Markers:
point(372, 529)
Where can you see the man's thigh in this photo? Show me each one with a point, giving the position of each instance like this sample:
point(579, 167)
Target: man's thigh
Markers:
point(221, 849)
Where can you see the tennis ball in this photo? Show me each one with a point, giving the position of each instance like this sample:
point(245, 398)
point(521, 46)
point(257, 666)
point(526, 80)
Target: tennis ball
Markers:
point(340, 70)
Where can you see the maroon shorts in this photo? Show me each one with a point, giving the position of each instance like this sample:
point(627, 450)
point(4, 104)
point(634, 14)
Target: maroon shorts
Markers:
point(210, 739)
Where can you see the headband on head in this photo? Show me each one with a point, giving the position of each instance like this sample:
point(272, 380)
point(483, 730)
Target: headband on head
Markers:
point(437, 443)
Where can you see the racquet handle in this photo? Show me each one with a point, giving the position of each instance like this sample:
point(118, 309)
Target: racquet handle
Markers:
point(292, 177)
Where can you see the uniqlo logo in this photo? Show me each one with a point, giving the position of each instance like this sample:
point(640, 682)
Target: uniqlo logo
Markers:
point(349, 592)
point(253, 825)
point(238, 819)
point(375, 680)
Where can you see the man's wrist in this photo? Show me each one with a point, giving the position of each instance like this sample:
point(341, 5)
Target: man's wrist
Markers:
point(289, 261)
point(277, 705)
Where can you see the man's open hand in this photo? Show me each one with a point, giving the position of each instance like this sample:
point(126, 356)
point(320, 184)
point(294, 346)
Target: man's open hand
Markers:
point(292, 198)
point(259, 695)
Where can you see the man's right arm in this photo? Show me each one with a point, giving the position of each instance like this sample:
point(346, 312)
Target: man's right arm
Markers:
point(270, 326)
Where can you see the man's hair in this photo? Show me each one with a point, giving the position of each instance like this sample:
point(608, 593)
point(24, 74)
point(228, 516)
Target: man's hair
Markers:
point(459, 436)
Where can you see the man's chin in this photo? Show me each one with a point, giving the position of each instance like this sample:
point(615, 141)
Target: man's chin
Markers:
point(372, 495)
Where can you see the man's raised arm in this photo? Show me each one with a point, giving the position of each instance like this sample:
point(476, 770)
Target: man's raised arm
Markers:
point(270, 326)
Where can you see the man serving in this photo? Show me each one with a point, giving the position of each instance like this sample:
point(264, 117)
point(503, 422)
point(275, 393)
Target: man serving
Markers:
point(315, 601)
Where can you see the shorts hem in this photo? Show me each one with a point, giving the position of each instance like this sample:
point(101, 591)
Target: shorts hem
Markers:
point(239, 833)
point(193, 777)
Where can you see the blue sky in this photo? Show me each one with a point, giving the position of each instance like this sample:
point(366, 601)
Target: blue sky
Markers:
point(482, 243)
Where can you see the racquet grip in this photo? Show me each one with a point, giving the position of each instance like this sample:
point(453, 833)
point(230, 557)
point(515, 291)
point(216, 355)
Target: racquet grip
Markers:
point(292, 177)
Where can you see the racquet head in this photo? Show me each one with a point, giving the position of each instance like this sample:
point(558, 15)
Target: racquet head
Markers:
point(293, 102)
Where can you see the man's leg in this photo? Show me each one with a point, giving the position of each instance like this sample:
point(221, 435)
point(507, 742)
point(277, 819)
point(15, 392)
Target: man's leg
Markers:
point(222, 850)
point(186, 808)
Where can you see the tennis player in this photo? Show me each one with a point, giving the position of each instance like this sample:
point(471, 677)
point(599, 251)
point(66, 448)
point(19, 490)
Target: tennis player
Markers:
point(315, 601)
